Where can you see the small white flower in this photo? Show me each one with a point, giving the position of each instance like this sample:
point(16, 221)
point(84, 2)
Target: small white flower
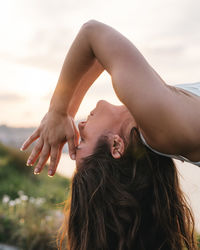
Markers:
point(17, 201)
point(39, 201)
point(12, 203)
point(24, 197)
point(5, 199)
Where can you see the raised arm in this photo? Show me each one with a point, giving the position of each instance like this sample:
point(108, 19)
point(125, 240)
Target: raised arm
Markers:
point(136, 83)
point(95, 48)
point(57, 127)
point(133, 79)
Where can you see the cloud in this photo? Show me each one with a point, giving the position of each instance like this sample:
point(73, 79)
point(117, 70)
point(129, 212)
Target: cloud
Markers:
point(42, 32)
point(49, 27)
point(45, 50)
point(11, 97)
point(46, 29)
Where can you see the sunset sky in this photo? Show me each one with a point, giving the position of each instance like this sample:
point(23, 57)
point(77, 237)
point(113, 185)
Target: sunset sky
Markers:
point(36, 35)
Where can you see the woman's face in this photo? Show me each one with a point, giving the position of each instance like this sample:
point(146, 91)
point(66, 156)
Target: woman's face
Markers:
point(105, 118)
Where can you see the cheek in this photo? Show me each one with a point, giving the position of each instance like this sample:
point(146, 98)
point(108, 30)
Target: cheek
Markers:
point(104, 120)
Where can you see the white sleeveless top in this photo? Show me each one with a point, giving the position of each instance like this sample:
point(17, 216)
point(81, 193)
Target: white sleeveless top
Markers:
point(193, 88)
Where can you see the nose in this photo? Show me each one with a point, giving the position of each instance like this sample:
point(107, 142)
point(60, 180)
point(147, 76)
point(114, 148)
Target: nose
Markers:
point(81, 125)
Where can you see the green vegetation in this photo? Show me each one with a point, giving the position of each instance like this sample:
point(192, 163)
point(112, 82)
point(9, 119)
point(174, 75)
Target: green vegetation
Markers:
point(198, 241)
point(30, 205)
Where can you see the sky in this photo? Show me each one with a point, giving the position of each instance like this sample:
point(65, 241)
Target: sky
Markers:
point(36, 35)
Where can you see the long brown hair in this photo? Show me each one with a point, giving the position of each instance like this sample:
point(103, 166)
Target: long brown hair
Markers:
point(134, 202)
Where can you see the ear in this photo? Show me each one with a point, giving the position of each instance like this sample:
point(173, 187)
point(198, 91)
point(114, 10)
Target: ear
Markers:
point(117, 146)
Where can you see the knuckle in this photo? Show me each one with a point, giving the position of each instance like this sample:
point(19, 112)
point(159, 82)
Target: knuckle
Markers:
point(35, 133)
point(45, 154)
point(53, 142)
point(53, 159)
point(41, 160)
point(45, 151)
point(37, 147)
point(30, 138)
point(39, 166)
point(51, 168)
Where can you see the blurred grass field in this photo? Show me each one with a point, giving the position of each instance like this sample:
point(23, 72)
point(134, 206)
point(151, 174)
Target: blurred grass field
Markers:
point(30, 205)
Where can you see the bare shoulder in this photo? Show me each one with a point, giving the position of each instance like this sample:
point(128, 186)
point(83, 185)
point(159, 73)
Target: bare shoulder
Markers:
point(149, 99)
point(170, 118)
point(180, 133)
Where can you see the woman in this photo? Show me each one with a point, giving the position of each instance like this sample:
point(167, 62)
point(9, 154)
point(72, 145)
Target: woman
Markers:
point(128, 148)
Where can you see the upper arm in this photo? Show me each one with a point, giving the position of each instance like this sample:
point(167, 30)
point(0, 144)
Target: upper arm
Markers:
point(147, 98)
point(135, 82)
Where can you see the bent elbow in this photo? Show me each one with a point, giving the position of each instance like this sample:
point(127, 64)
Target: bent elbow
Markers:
point(90, 24)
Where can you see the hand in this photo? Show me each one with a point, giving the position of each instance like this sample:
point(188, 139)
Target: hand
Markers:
point(54, 131)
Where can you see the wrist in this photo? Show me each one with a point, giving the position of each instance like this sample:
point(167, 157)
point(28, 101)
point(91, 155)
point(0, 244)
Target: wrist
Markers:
point(58, 108)
point(59, 102)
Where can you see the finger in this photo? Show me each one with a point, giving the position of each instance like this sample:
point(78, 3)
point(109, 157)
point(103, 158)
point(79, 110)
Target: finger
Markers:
point(72, 148)
point(59, 153)
point(76, 135)
point(52, 169)
point(35, 152)
point(43, 158)
point(30, 140)
point(54, 154)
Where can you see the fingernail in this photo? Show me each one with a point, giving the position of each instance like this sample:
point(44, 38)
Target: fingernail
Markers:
point(50, 173)
point(21, 149)
point(36, 171)
point(73, 157)
point(29, 163)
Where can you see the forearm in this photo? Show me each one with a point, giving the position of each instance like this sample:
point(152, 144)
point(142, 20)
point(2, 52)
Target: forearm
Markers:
point(95, 41)
point(117, 55)
point(86, 81)
point(79, 67)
